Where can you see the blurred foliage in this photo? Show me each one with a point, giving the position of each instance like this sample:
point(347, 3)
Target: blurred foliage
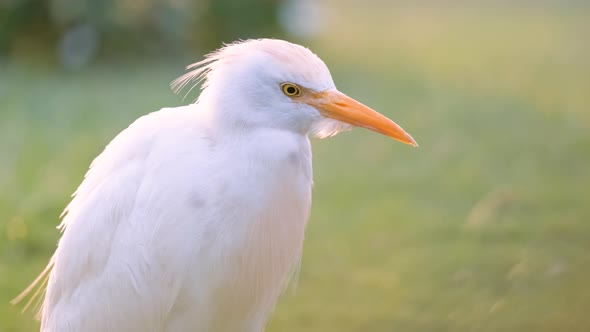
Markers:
point(485, 227)
point(118, 28)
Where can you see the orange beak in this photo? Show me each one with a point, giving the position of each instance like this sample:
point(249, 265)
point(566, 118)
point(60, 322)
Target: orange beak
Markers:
point(338, 106)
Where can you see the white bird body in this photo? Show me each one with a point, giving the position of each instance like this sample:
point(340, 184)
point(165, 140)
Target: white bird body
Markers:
point(193, 218)
point(143, 235)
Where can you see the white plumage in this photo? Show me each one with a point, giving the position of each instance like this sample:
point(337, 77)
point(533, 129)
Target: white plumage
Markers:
point(193, 218)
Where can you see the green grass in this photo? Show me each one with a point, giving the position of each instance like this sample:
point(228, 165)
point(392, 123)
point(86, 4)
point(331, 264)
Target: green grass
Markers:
point(485, 227)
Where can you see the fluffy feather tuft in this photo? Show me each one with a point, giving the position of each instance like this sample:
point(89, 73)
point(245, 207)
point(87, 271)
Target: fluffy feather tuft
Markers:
point(326, 127)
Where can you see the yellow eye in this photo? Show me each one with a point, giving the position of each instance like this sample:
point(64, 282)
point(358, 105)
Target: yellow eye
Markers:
point(291, 89)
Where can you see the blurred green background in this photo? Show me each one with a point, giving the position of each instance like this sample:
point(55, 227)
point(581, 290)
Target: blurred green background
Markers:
point(485, 227)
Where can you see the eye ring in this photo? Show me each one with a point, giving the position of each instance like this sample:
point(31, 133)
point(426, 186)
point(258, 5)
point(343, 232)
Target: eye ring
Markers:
point(291, 90)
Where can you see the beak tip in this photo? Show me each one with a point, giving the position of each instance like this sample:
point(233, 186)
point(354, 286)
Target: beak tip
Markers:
point(411, 141)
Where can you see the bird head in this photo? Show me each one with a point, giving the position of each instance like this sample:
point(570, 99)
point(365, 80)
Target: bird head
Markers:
point(274, 83)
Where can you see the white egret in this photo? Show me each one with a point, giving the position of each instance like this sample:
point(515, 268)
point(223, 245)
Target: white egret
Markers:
point(192, 219)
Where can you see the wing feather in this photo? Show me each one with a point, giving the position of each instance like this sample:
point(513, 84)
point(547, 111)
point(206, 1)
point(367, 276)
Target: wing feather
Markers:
point(104, 254)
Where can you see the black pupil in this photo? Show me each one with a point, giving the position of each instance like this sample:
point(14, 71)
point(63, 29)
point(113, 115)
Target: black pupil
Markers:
point(291, 90)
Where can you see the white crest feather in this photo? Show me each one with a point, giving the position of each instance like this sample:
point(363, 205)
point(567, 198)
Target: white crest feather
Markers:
point(196, 75)
point(199, 71)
